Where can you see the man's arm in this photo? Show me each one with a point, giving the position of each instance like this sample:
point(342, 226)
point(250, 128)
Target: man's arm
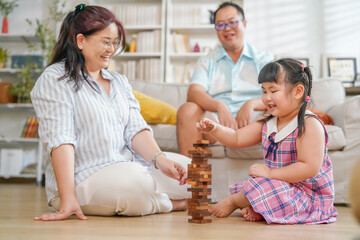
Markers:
point(245, 114)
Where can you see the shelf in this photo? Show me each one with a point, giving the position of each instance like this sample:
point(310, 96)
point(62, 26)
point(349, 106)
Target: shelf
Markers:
point(18, 106)
point(186, 56)
point(17, 38)
point(136, 55)
point(19, 140)
point(194, 29)
point(20, 175)
point(9, 70)
point(15, 70)
point(131, 29)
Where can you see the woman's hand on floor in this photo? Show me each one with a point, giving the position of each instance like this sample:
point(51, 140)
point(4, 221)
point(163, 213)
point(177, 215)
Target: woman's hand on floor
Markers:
point(66, 209)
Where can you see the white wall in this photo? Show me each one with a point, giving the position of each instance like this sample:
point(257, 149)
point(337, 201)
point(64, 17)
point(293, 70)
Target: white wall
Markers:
point(27, 9)
point(306, 27)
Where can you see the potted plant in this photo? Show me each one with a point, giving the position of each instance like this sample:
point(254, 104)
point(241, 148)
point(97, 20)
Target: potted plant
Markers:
point(4, 54)
point(45, 30)
point(21, 90)
point(5, 9)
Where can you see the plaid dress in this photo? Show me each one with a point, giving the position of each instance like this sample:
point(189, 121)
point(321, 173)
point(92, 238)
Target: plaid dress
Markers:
point(308, 202)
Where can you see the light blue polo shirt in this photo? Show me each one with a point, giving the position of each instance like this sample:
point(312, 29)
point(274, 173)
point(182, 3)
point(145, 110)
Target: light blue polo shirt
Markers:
point(229, 82)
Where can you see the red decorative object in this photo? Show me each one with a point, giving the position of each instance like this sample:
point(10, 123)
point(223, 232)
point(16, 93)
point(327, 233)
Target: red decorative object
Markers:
point(5, 25)
point(196, 48)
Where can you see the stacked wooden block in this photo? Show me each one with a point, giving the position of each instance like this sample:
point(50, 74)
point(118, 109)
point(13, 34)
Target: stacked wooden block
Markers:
point(199, 177)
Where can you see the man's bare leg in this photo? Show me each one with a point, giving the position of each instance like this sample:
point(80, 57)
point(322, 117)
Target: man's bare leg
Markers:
point(187, 116)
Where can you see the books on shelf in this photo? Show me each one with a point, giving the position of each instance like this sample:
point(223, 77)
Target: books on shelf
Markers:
point(191, 14)
point(148, 41)
point(136, 13)
point(30, 129)
point(147, 69)
point(181, 43)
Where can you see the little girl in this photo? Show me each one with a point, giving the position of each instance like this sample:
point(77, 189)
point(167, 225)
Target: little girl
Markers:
point(295, 185)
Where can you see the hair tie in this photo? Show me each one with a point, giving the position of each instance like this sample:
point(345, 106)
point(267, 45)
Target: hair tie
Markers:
point(307, 99)
point(78, 8)
point(303, 67)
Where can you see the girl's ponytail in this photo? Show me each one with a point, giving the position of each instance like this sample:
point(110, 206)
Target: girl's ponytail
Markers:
point(307, 83)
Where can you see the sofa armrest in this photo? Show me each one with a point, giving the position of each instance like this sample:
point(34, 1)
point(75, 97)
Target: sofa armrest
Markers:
point(347, 116)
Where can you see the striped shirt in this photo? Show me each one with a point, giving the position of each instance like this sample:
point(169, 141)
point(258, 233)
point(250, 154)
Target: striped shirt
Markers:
point(99, 126)
point(231, 83)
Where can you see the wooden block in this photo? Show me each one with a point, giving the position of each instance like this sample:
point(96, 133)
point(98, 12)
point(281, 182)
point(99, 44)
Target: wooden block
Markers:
point(198, 208)
point(191, 168)
point(202, 141)
point(200, 145)
point(199, 190)
point(200, 186)
point(198, 204)
point(190, 182)
point(203, 180)
point(201, 172)
point(199, 201)
point(199, 151)
point(200, 165)
point(193, 177)
point(201, 213)
point(209, 127)
point(200, 195)
point(199, 161)
point(199, 221)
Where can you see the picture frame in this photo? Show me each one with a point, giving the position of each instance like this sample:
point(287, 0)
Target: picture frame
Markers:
point(342, 68)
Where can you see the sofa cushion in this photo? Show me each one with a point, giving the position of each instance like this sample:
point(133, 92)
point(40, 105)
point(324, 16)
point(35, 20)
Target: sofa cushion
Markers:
point(174, 94)
point(218, 150)
point(165, 136)
point(155, 111)
point(336, 137)
point(322, 89)
point(253, 152)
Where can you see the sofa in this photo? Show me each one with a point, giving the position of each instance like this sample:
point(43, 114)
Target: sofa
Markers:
point(231, 165)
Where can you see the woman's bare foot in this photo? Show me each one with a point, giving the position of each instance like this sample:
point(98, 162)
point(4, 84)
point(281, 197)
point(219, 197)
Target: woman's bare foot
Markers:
point(179, 205)
point(251, 215)
point(223, 208)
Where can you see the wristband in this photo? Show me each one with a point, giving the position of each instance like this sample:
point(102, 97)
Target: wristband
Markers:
point(153, 159)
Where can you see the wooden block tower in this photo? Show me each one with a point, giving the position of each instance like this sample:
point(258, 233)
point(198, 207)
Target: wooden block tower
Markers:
point(199, 177)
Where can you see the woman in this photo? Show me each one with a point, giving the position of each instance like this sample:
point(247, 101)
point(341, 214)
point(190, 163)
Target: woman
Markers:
point(92, 130)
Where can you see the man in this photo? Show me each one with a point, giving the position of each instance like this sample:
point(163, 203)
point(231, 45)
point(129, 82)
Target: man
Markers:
point(224, 81)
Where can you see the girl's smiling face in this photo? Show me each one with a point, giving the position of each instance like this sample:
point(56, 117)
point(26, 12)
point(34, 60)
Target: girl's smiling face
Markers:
point(278, 98)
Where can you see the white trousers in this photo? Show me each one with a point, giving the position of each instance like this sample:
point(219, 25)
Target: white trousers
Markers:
point(128, 188)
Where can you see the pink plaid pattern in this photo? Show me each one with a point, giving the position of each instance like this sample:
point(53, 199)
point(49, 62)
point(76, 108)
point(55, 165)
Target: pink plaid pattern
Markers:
point(307, 202)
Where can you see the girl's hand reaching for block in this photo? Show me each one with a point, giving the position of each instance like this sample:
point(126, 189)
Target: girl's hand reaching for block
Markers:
point(206, 125)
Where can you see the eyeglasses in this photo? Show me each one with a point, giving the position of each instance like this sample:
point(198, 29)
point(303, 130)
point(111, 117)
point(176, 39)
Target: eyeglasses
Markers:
point(231, 24)
point(107, 43)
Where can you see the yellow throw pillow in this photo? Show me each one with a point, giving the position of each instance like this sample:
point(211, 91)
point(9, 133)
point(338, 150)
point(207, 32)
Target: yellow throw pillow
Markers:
point(155, 111)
